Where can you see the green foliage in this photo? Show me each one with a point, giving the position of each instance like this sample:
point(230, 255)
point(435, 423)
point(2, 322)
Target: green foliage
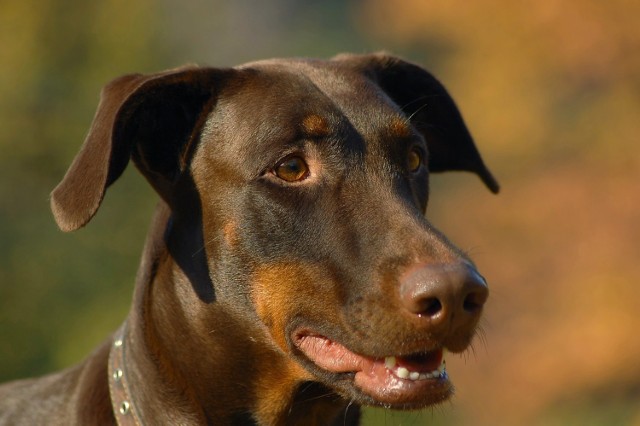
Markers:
point(61, 294)
point(58, 54)
point(549, 91)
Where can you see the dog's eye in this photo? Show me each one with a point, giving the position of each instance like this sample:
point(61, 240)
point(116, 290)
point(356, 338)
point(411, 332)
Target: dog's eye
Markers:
point(414, 160)
point(292, 169)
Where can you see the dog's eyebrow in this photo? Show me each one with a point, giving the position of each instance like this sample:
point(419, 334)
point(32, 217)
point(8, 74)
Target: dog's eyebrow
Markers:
point(314, 126)
point(399, 127)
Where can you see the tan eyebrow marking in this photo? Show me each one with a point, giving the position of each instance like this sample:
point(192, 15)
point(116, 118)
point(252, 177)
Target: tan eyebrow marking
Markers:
point(399, 127)
point(315, 126)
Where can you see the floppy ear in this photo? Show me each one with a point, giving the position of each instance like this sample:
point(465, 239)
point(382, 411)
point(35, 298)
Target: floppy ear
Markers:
point(149, 118)
point(431, 110)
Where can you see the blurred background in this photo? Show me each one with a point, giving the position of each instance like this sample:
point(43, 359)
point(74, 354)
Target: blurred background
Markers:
point(550, 90)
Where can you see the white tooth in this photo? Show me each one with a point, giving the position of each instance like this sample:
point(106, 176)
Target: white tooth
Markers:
point(390, 362)
point(435, 373)
point(403, 373)
point(424, 376)
point(414, 375)
point(442, 368)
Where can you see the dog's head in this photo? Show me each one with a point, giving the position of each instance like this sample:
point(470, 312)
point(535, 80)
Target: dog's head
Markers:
point(297, 189)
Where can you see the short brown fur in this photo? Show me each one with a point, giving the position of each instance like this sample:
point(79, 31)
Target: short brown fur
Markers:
point(240, 266)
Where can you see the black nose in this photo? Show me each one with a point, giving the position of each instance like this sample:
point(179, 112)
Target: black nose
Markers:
point(447, 296)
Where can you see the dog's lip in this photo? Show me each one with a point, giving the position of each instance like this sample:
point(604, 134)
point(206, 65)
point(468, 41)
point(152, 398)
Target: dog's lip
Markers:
point(401, 381)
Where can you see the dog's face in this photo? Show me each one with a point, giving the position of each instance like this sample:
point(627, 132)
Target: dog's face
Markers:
point(305, 184)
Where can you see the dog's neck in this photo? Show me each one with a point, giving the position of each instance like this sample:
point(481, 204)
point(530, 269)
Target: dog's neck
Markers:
point(204, 358)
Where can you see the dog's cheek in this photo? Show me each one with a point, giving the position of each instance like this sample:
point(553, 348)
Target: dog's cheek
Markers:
point(287, 290)
point(230, 234)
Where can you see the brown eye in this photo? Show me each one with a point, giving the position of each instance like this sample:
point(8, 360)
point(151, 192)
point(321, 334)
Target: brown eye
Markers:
point(414, 160)
point(292, 169)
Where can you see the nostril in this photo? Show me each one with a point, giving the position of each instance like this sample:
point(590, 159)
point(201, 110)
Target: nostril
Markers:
point(430, 307)
point(473, 302)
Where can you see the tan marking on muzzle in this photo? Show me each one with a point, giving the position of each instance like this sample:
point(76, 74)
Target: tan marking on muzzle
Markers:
point(287, 289)
point(280, 291)
point(275, 387)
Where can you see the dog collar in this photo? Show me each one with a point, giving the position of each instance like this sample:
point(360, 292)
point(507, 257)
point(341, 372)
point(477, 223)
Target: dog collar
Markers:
point(122, 404)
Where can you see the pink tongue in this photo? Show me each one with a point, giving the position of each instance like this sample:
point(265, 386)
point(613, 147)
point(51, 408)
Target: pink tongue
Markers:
point(336, 358)
point(333, 356)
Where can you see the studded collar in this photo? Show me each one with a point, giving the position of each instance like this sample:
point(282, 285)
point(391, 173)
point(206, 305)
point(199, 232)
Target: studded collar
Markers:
point(122, 403)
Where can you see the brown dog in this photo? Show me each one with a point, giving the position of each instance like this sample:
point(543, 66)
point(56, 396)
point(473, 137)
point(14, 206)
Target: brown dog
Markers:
point(289, 275)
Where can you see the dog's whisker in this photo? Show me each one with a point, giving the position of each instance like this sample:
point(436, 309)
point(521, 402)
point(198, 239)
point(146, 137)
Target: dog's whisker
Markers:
point(346, 412)
point(316, 397)
point(418, 99)
point(417, 111)
point(472, 251)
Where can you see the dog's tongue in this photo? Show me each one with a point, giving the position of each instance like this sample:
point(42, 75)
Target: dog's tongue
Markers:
point(332, 356)
point(392, 379)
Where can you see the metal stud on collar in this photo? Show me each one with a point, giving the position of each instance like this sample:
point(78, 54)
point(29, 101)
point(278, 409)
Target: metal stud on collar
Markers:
point(117, 375)
point(122, 404)
point(124, 407)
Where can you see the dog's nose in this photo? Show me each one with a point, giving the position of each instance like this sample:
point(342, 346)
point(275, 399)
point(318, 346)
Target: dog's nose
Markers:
point(447, 296)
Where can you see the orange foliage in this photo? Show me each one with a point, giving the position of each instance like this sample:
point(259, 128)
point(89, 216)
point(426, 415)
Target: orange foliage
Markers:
point(550, 90)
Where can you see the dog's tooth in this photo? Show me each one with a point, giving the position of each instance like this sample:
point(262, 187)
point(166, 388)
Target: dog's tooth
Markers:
point(390, 362)
point(403, 373)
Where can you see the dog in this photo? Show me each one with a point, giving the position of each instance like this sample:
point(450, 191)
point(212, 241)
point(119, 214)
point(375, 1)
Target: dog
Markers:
point(289, 274)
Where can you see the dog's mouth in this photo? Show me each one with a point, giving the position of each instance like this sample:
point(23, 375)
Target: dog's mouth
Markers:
point(397, 381)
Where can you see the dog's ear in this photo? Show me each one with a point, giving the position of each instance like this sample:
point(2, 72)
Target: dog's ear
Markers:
point(148, 118)
point(431, 110)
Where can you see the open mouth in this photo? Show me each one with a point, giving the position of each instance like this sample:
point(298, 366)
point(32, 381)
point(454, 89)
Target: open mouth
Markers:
point(400, 381)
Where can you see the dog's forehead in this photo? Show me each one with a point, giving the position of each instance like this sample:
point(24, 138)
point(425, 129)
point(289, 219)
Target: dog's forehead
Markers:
point(291, 91)
point(276, 105)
